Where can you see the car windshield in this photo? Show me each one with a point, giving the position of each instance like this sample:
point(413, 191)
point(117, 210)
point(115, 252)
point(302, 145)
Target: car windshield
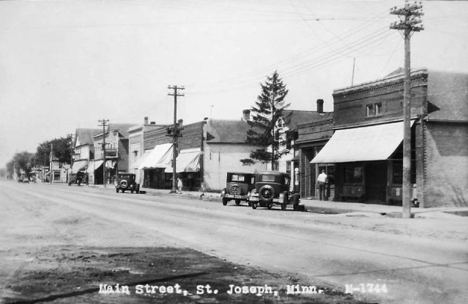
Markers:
point(126, 176)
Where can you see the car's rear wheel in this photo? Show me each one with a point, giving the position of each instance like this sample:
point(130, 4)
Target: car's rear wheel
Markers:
point(132, 191)
point(254, 205)
point(117, 190)
point(270, 205)
point(238, 202)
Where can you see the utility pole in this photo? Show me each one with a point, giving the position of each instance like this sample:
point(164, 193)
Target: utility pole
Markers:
point(104, 173)
point(175, 134)
point(71, 155)
point(51, 157)
point(409, 23)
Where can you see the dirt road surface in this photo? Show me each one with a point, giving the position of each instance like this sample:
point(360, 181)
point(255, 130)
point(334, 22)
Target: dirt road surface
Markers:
point(75, 244)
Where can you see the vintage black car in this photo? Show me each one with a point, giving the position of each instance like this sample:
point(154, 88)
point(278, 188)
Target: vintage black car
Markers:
point(77, 178)
point(272, 187)
point(238, 186)
point(126, 181)
point(23, 179)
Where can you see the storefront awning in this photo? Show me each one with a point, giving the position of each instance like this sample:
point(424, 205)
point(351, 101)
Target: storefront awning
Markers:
point(93, 165)
point(187, 161)
point(79, 165)
point(159, 157)
point(362, 144)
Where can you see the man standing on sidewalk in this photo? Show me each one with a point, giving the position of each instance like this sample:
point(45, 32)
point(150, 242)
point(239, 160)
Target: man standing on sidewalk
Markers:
point(321, 180)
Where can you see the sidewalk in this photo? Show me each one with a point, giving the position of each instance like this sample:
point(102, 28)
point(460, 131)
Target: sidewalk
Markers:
point(330, 207)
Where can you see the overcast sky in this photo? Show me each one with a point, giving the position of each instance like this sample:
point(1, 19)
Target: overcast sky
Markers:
point(67, 64)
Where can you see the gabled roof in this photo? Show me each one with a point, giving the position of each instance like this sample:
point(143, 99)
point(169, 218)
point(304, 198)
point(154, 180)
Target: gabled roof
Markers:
point(226, 131)
point(293, 118)
point(85, 136)
point(121, 127)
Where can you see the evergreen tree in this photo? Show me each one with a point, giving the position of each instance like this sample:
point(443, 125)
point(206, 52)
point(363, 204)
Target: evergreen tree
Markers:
point(266, 112)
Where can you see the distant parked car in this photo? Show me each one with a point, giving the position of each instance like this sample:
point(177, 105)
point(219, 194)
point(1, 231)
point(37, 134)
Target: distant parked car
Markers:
point(238, 186)
point(272, 187)
point(77, 178)
point(23, 179)
point(127, 181)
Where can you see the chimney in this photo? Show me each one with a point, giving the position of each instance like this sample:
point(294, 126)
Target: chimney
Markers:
point(180, 123)
point(146, 120)
point(246, 115)
point(320, 106)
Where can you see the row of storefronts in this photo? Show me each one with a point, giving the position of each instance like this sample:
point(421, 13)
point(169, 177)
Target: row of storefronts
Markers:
point(358, 145)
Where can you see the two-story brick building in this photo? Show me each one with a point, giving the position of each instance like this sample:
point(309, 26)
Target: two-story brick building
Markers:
point(366, 146)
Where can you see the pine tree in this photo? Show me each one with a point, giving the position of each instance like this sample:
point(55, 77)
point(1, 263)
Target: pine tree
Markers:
point(266, 112)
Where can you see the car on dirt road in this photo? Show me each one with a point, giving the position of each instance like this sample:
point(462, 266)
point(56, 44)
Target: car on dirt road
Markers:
point(23, 179)
point(126, 181)
point(77, 178)
point(272, 187)
point(238, 186)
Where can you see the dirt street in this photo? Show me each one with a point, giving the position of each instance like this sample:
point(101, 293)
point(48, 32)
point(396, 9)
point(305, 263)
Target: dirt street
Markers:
point(91, 245)
point(52, 253)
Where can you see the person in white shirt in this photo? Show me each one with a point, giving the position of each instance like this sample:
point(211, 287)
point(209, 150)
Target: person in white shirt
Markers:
point(321, 180)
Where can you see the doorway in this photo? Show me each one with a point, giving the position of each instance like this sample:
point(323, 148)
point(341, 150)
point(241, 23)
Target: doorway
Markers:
point(376, 182)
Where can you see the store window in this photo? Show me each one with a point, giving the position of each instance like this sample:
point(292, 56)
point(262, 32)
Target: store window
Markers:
point(353, 174)
point(398, 172)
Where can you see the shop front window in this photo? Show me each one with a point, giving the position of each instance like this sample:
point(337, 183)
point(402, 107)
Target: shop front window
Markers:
point(353, 174)
point(398, 172)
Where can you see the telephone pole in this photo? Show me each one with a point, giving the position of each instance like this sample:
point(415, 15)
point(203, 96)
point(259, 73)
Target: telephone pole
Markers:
point(104, 173)
point(409, 23)
point(70, 135)
point(51, 158)
point(175, 134)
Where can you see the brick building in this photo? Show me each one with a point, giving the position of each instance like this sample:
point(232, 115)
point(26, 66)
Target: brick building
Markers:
point(365, 149)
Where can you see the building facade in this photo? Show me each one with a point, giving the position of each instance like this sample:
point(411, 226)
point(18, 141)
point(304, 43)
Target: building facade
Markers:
point(366, 146)
point(116, 158)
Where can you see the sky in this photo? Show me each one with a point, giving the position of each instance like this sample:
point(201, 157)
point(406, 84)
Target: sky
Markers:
point(68, 64)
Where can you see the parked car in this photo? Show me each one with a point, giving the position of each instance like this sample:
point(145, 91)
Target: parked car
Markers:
point(23, 179)
point(238, 186)
point(77, 178)
point(126, 181)
point(272, 187)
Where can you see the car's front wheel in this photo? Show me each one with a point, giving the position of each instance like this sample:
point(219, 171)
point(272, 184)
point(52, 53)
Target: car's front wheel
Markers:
point(238, 202)
point(254, 205)
point(225, 201)
point(117, 190)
